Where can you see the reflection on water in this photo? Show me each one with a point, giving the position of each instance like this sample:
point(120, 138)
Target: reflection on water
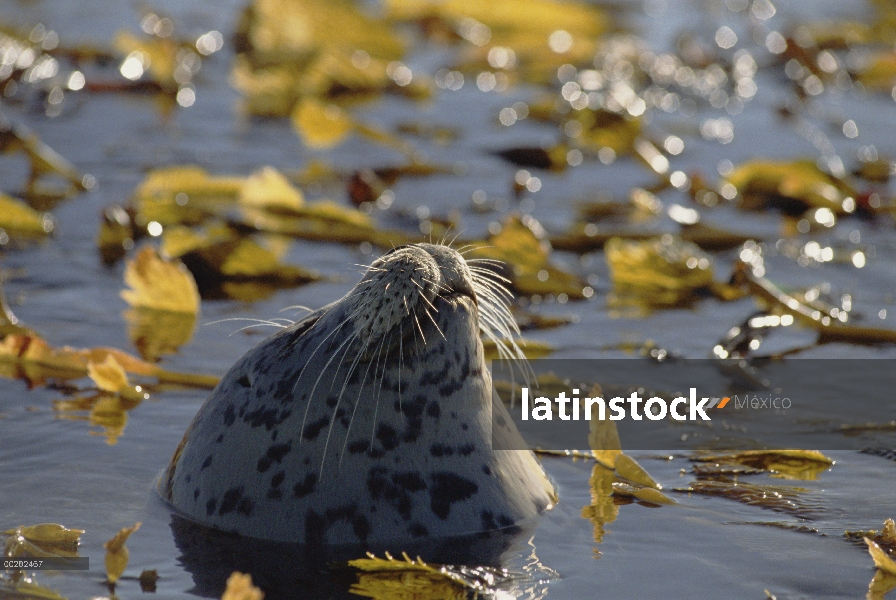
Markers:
point(289, 570)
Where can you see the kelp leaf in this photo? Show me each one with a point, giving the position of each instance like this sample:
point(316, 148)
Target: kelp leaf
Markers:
point(268, 188)
point(882, 560)
point(108, 375)
point(653, 496)
point(408, 579)
point(830, 329)
point(603, 438)
point(156, 333)
point(321, 124)
point(111, 413)
point(39, 361)
point(793, 186)
point(17, 218)
point(658, 271)
point(157, 54)
point(49, 534)
point(532, 349)
point(785, 464)
point(221, 254)
point(287, 31)
point(521, 246)
point(27, 590)
point(628, 468)
point(117, 554)
point(159, 284)
point(239, 587)
point(880, 585)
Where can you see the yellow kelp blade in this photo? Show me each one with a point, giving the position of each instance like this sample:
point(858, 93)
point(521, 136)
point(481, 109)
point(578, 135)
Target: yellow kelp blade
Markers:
point(37, 361)
point(239, 587)
point(20, 220)
point(291, 30)
point(521, 246)
point(24, 589)
point(532, 349)
point(882, 560)
point(158, 284)
point(117, 554)
point(49, 534)
point(108, 375)
point(156, 333)
point(388, 578)
point(798, 184)
point(219, 254)
point(660, 271)
point(804, 465)
point(269, 188)
point(321, 124)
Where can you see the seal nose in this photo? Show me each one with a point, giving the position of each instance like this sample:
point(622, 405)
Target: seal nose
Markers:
point(456, 276)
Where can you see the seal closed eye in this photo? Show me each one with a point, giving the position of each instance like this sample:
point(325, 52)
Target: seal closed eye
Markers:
point(368, 421)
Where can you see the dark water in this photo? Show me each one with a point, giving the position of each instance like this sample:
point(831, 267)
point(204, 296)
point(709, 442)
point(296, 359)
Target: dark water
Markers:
point(60, 470)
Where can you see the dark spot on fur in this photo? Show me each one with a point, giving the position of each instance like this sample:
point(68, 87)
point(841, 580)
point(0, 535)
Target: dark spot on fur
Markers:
point(230, 499)
point(488, 520)
point(244, 381)
point(464, 426)
point(396, 489)
point(245, 506)
point(219, 439)
point(273, 455)
point(499, 419)
point(417, 530)
point(210, 507)
point(332, 401)
point(446, 489)
point(195, 494)
point(358, 446)
point(450, 387)
point(505, 521)
point(303, 488)
point(439, 450)
point(410, 481)
point(269, 417)
point(277, 479)
point(312, 430)
point(466, 449)
point(436, 377)
point(387, 436)
point(188, 478)
point(486, 469)
point(229, 415)
point(206, 463)
point(433, 410)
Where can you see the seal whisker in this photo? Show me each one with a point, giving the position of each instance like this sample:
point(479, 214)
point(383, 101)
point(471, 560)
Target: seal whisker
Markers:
point(348, 376)
point(428, 314)
point(358, 400)
point(376, 404)
point(296, 307)
point(255, 322)
point(308, 361)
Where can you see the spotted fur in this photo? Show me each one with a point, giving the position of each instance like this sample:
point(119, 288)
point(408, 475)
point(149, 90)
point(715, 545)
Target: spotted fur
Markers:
point(368, 421)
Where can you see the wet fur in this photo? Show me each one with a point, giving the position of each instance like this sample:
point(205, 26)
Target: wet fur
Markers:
point(370, 420)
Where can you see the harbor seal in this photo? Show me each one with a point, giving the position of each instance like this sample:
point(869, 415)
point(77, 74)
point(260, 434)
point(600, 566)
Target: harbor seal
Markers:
point(368, 421)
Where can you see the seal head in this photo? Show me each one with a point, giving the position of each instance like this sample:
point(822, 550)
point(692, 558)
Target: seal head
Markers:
point(368, 421)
